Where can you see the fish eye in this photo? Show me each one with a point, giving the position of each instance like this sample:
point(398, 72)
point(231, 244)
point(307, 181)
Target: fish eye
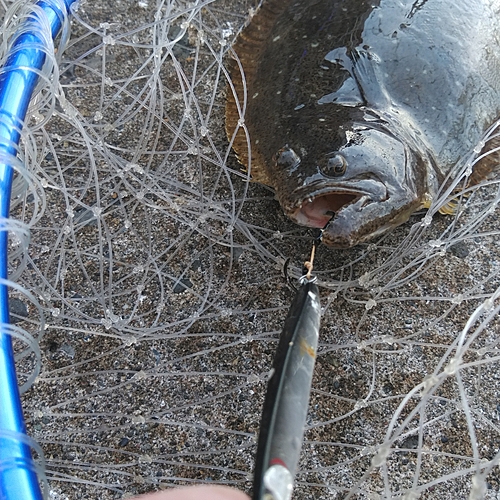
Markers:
point(287, 158)
point(336, 166)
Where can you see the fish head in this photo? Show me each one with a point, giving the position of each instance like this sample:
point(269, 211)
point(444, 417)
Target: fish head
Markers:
point(373, 182)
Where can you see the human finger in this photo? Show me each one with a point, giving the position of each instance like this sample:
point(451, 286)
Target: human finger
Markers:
point(196, 493)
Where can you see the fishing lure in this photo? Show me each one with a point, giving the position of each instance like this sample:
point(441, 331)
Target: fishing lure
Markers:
point(287, 398)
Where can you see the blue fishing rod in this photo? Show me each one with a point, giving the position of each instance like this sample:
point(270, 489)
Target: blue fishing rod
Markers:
point(25, 59)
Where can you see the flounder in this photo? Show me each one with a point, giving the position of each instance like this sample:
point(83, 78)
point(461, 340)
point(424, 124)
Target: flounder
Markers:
point(357, 111)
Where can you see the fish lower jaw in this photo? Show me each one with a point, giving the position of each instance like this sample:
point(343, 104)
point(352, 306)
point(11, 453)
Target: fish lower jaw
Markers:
point(318, 212)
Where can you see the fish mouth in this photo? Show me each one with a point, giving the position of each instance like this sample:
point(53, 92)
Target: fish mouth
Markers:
point(318, 204)
point(318, 211)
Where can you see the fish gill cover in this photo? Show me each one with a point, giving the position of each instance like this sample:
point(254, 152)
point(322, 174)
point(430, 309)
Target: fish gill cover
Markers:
point(156, 274)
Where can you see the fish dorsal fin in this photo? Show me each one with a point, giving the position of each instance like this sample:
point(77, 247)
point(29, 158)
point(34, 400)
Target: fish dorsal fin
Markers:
point(483, 170)
point(248, 49)
point(488, 164)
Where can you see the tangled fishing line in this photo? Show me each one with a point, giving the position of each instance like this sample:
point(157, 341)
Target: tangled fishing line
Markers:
point(151, 288)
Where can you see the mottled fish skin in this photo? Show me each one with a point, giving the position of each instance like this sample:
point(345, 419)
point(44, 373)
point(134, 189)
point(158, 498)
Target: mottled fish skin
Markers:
point(360, 109)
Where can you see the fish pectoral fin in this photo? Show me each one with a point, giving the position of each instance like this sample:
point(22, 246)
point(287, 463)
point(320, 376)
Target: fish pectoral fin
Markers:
point(347, 95)
point(339, 56)
point(368, 78)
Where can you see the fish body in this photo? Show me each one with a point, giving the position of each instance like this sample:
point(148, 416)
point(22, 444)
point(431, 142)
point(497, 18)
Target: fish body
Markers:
point(357, 111)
